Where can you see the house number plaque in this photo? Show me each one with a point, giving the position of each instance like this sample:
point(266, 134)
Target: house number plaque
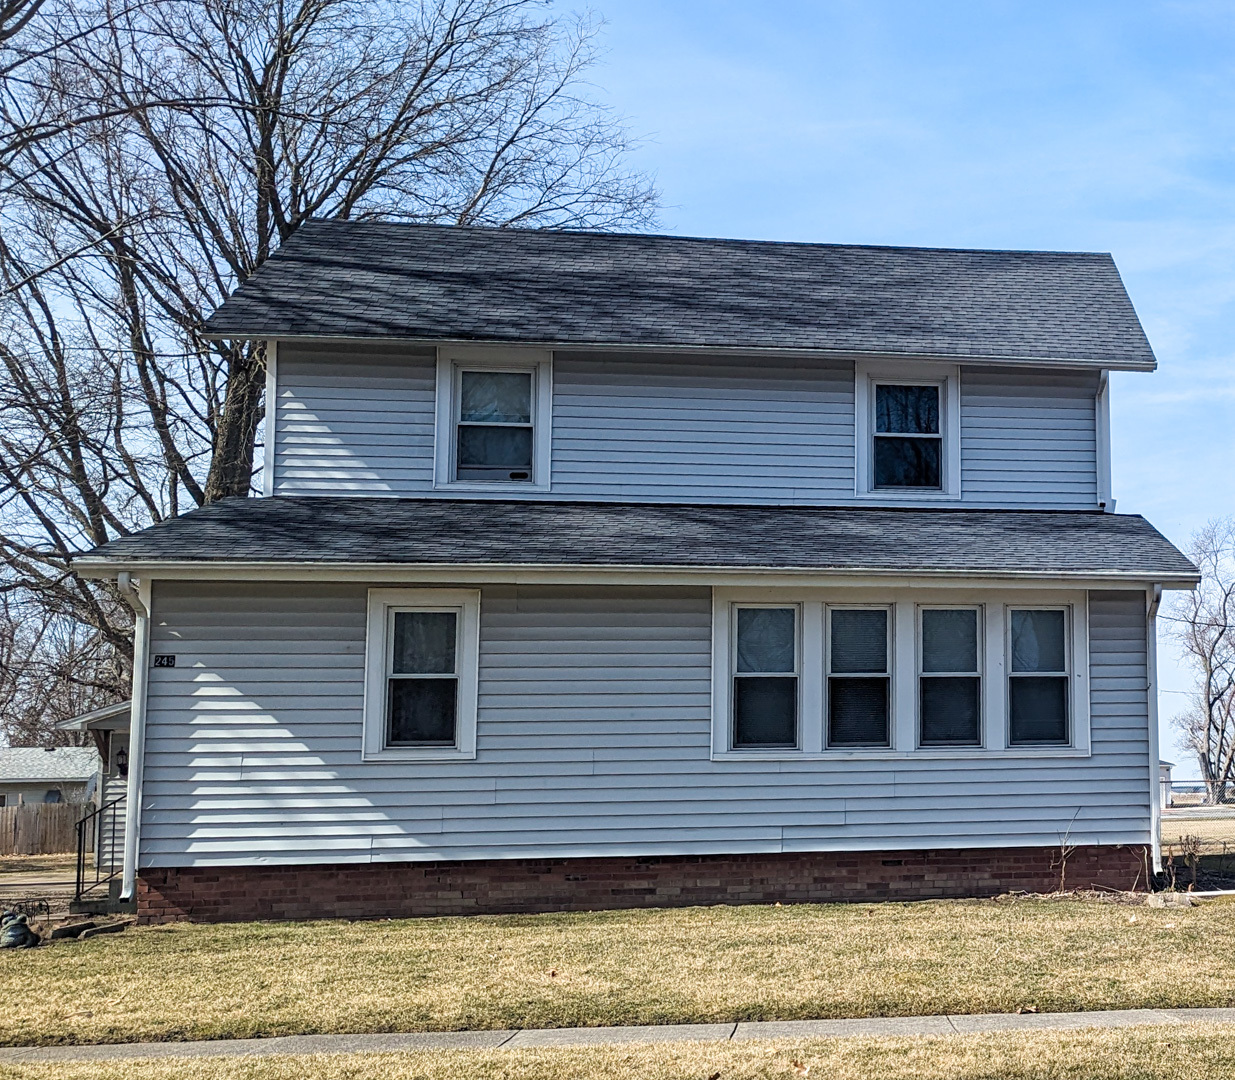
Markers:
point(164, 660)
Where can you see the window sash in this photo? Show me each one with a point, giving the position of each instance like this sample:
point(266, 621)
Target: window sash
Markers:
point(835, 689)
point(489, 473)
point(933, 682)
point(776, 683)
point(1061, 678)
point(392, 677)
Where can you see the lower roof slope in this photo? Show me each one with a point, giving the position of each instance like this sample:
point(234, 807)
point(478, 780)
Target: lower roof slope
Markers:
point(459, 532)
point(364, 279)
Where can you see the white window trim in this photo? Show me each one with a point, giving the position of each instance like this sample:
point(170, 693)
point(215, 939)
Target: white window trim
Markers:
point(539, 364)
point(381, 603)
point(904, 603)
point(1076, 629)
point(867, 375)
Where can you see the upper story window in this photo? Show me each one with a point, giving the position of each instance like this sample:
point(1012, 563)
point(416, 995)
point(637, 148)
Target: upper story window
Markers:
point(907, 428)
point(494, 433)
point(908, 446)
point(493, 419)
point(421, 674)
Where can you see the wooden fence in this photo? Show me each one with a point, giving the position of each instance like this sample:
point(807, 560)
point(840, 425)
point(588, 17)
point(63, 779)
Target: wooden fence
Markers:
point(39, 828)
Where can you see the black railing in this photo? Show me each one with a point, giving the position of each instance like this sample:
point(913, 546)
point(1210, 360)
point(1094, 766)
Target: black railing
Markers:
point(101, 835)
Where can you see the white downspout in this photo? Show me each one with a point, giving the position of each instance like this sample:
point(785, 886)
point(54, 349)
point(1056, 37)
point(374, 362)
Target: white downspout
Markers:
point(1155, 784)
point(137, 728)
point(1102, 422)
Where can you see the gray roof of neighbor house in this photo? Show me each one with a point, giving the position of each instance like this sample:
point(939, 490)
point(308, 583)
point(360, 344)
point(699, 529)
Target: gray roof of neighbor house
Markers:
point(456, 532)
point(67, 764)
point(347, 279)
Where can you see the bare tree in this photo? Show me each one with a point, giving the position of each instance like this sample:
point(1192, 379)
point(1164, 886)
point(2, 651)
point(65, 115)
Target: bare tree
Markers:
point(203, 134)
point(1203, 622)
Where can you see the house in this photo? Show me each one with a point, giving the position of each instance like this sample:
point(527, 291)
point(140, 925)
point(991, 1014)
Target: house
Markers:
point(53, 775)
point(604, 570)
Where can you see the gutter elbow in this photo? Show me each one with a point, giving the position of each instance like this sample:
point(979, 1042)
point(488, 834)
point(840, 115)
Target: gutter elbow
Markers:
point(124, 582)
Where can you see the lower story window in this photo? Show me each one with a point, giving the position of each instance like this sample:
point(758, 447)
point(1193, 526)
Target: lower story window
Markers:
point(423, 684)
point(949, 683)
point(421, 673)
point(765, 681)
point(859, 677)
point(1038, 677)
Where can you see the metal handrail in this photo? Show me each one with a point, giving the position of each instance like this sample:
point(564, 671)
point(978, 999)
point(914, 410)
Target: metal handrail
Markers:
point(90, 833)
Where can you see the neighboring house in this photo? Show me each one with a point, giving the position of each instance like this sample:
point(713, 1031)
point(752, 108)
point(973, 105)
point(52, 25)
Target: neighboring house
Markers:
point(109, 728)
point(35, 775)
point(607, 570)
point(1164, 783)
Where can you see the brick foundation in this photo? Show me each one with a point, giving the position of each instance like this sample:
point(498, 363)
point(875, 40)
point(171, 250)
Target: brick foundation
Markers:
point(495, 886)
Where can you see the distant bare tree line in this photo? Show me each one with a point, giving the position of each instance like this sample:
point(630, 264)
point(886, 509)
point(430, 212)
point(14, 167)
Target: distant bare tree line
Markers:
point(152, 156)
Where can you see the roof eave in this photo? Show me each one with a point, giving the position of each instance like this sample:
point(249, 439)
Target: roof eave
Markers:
point(509, 572)
point(662, 347)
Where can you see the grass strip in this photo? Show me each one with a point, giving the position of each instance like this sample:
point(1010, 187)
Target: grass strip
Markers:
point(690, 965)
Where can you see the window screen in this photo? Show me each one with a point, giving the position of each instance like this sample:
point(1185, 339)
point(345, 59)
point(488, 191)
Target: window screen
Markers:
point(949, 685)
point(765, 681)
point(858, 677)
point(495, 431)
point(422, 685)
point(1038, 678)
point(908, 440)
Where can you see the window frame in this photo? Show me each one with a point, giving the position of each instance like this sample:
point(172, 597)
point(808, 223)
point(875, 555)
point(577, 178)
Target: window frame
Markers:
point(1072, 663)
point(902, 598)
point(382, 606)
point(889, 673)
point(734, 675)
point(451, 363)
point(870, 374)
point(980, 673)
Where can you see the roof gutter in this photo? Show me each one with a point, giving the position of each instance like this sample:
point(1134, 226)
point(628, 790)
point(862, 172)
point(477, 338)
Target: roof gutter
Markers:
point(138, 598)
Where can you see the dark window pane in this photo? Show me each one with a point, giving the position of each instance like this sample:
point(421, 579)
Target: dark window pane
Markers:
point(765, 712)
point(950, 640)
point(907, 410)
point(494, 453)
point(950, 711)
point(495, 397)
point(857, 712)
point(905, 462)
point(1039, 709)
point(424, 643)
point(421, 712)
point(1038, 641)
point(859, 640)
point(766, 639)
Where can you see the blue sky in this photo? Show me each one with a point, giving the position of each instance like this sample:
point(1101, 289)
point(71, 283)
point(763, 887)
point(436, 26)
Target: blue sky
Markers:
point(1096, 126)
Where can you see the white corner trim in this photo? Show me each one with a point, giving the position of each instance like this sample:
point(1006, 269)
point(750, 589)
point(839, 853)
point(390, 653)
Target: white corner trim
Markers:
point(270, 425)
point(1102, 427)
point(137, 738)
point(1153, 598)
point(381, 602)
point(868, 373)
point(539, 362)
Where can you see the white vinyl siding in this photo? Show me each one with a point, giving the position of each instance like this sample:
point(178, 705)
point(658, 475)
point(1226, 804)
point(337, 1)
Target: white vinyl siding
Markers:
point(354, 419)
point(358, 418)
point(712, 429)
point(1029, 439)
point(593, 738)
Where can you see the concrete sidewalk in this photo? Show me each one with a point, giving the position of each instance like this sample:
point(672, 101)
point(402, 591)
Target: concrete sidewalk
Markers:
point(513, 1040)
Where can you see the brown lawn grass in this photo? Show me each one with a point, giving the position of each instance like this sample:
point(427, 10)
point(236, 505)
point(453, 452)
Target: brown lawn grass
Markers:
point(605, 968)
point(1200, 1052)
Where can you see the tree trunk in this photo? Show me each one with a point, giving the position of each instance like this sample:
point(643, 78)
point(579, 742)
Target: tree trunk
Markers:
point(231, 465)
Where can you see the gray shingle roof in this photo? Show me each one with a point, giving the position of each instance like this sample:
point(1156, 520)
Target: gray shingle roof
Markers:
point(489, 532)
point(69, 763)
point(434, 283)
